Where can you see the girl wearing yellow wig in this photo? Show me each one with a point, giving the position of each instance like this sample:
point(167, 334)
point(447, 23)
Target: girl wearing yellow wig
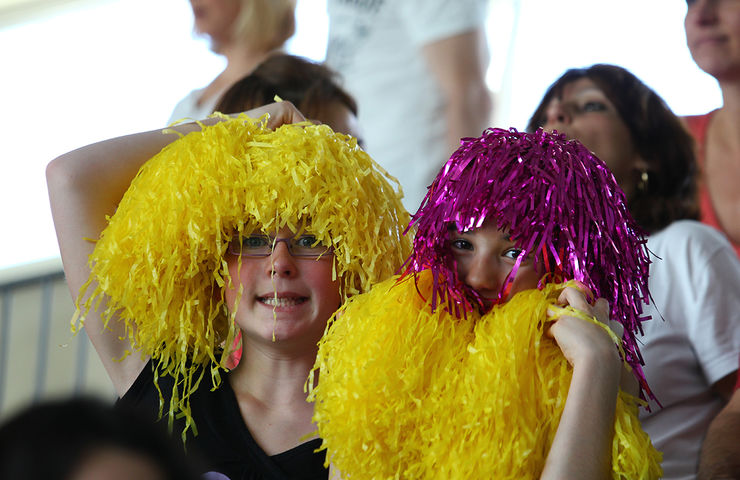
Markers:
point(251, 223)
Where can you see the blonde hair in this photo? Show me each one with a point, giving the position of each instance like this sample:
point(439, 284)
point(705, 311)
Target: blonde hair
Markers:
point(265, 24)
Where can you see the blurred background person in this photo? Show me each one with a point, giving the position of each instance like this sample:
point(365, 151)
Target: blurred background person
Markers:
point(311, 86)
point(691, 345)
point(87, 439)
point(713, 37)
point(245, 32)
point(417, 69)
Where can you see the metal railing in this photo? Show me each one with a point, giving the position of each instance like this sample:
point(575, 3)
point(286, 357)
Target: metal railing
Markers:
point(39, 356)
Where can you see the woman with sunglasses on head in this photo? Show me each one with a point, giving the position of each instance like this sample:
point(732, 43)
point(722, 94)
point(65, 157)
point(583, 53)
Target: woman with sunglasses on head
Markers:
point(206, 229)
point(692, 343)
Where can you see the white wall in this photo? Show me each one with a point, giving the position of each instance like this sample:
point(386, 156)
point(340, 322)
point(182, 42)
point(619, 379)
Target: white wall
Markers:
point(646, 37)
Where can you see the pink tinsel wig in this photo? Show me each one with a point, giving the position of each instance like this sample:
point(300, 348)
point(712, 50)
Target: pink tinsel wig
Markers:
point(558, 202)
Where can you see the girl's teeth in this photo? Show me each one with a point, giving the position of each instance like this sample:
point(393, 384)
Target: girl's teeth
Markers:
point(281, 302)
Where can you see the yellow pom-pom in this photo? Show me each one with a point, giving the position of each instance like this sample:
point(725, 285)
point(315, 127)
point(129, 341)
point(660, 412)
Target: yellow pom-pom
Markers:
point(160, 261)
point(406, 393)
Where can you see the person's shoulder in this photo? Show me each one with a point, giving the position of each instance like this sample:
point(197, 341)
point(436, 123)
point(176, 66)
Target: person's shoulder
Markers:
point(154, 385)
point(187, 107)
point(692, 243)
point(691, 234)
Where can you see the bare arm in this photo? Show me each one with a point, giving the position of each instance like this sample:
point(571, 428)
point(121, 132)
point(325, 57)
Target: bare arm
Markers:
point(720, 452)
point(459, 65)
point(85, 186)
point(581, 448)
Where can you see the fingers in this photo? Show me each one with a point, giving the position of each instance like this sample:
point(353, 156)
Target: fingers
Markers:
point(575, 298)
point(601, 311)
point(581, 298)
point(280, 113)
point(578, 298)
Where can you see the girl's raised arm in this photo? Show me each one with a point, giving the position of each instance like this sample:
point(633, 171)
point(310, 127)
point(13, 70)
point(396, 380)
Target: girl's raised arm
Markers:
point(85, 186)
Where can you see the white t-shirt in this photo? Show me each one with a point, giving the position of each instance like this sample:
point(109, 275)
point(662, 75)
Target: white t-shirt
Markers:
point(695, 284)
point(376, 45)
point(188, 107)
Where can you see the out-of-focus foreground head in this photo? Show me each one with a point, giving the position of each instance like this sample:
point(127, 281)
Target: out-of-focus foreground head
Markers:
point(83, 438)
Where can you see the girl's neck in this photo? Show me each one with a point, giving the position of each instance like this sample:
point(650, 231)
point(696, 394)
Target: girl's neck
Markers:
point(725, 124)
point(731, 95)
point(240, 62)
point(272, 376)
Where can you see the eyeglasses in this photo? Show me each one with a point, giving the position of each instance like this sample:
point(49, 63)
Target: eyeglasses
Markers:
point(305, 246)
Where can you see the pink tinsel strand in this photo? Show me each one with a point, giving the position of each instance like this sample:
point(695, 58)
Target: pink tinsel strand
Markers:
point(558, 202)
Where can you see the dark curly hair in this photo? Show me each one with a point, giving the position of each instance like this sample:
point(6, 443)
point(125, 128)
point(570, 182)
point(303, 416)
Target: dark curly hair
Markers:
point(658, 135)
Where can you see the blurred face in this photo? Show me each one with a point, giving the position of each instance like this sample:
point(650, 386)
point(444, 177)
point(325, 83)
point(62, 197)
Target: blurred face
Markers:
point(713, 36)
point(485, 257)
point(215, 18)
point(289, 296)
point(584, 113)
point(117, 464)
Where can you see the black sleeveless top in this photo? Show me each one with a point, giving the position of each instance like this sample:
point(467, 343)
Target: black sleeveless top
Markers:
point(223, 441)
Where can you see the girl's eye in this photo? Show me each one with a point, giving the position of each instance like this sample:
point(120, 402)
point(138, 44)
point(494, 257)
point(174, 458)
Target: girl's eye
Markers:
point(461, 244)
point(254, 241)
point(305, 241)
point(593, 106)
point(513, 253)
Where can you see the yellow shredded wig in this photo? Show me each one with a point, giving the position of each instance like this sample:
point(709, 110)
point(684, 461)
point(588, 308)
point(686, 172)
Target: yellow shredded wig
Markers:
point(160, 261)
point(408, 393)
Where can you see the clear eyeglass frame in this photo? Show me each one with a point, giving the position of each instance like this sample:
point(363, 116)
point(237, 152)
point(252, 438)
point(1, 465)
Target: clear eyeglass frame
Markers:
point(300, 245)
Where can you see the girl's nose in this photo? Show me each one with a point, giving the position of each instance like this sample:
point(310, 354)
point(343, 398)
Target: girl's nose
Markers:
point(484, 276)
point(280, 262)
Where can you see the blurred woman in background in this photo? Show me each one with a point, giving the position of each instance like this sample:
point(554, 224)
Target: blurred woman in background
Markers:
point(691, 346)
point(245, 32)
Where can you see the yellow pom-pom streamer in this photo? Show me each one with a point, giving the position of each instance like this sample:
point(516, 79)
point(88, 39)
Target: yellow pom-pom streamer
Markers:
point(407, 393)
point(160, 261)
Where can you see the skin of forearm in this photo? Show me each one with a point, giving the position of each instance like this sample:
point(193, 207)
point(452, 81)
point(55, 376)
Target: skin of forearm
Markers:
point(467, 114)
point(582, 445)
point(720, 455)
